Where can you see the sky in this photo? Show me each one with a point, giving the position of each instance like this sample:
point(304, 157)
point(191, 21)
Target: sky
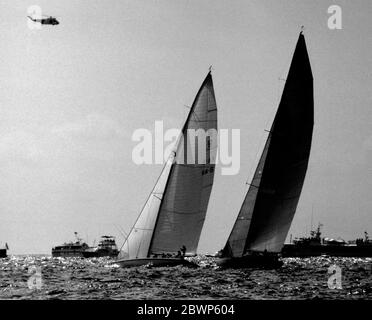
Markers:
point(72, 95)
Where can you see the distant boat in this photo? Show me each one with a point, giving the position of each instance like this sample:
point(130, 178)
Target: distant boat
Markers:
point(315, 245)
point(3, 251)
point(70, 249)
point(266, 214)
point(106, 248)
point(169, 225)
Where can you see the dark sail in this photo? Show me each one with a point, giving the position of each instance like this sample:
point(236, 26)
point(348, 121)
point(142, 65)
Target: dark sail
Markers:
point(270, 204)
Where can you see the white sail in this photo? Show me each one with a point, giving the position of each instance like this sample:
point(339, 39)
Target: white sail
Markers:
point(182, 213)
point(175, 210)
point(138, 241)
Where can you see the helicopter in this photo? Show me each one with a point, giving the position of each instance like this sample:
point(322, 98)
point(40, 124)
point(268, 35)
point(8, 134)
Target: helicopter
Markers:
point(47, 20)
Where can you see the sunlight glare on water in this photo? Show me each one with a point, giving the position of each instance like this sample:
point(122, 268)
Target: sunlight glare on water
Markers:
point(100, 278)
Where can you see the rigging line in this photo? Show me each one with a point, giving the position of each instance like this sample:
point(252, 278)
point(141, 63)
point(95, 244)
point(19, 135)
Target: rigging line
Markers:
point(125, 239)
point(121, 229)
point(196, 116)
point(252, 185)
point(123, 234)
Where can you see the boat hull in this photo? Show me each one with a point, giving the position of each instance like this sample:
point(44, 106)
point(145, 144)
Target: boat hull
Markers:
point(3, 253)
point(250, 261)
point(291, 250)
point(67, 254)
point(100, 253)
point(155, 262)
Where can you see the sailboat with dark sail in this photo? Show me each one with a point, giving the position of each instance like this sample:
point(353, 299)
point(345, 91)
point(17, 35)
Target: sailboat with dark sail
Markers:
point(269, 206)
point(169, 225)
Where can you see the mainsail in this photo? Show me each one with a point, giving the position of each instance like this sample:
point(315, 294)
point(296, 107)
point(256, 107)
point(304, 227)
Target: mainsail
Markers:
point(271, 201)
point(174, 213)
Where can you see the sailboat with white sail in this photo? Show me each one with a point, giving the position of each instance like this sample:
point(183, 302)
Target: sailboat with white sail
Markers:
point(269, 206)
point(169, 225)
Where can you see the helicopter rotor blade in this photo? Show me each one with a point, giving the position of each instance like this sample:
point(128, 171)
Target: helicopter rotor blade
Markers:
point(49, 16)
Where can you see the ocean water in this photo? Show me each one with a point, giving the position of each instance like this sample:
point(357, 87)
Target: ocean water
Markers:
point(43, 277)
